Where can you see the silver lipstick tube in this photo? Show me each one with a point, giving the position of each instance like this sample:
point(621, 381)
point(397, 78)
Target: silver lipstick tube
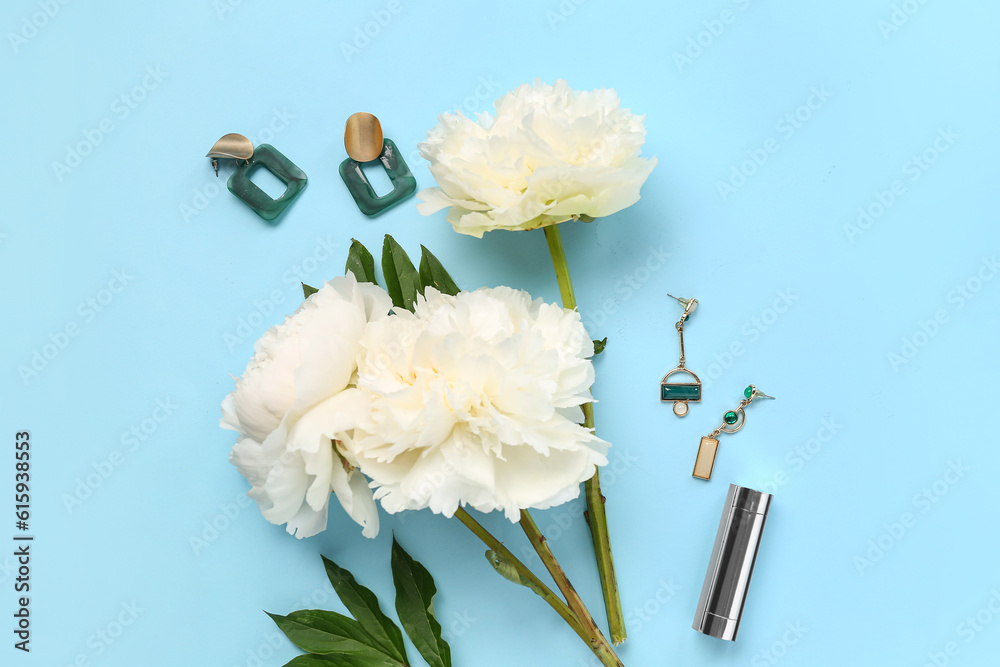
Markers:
point(728, 579)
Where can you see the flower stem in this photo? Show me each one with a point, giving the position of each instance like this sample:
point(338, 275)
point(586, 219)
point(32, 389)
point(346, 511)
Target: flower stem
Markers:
point(598, 643)
point(597, 518)
point(598, 521)
point(540, 588)
point(554, 239)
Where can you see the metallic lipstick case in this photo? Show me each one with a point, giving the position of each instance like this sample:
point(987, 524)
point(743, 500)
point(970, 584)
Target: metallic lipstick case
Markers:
point(731, 566)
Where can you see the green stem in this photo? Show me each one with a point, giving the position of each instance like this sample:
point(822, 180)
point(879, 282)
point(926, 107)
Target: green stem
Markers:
point(598, 643)
point(543, 591)
point(554, 239)
point(597, 518)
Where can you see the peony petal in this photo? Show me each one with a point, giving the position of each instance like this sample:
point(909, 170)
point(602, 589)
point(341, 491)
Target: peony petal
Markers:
point(308, 522)
point(355, 496)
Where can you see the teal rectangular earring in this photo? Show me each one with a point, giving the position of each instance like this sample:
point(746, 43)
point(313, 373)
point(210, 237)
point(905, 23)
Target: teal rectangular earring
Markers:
point(366, 144)
point(239, 147)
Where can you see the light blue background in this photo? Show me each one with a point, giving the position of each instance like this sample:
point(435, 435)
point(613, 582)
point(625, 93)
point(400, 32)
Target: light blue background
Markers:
point(192, 278)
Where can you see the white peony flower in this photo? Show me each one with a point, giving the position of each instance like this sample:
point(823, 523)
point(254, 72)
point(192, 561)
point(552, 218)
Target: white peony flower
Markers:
point(476, 402)
point(550, 154)
point(295, 411)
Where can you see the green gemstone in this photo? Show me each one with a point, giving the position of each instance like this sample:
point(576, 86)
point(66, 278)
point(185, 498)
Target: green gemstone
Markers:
point(748, 392)
point(730, 417)
point(680, 392)
point(285, 170)
point(404, 184)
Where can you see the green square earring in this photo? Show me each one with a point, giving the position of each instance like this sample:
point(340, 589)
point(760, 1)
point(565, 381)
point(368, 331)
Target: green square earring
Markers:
point(240, 148)
point(366, 144)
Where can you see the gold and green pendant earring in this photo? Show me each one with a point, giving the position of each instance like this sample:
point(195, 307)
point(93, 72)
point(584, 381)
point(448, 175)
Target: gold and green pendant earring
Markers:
point(732, 422)
point(681, 392)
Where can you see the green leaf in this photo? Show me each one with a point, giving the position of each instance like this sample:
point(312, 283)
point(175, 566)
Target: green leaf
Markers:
point(310, 660)
point(402, 281)
point(327, 632)
point(363, 605)
point(507, 570)
point(432, 274)
point(308, 290)
point(415, 592)
point(361, 263)
point(599, 345)
point(341, 660)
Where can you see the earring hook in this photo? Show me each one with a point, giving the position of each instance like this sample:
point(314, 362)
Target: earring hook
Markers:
point(753, 392)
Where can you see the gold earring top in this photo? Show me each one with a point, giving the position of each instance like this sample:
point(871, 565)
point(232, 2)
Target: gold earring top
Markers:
point(689, 304)
point(232, 145)
point(363, 137)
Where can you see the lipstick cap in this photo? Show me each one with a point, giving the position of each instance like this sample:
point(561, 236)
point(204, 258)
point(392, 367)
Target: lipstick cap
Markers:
point(731, 566)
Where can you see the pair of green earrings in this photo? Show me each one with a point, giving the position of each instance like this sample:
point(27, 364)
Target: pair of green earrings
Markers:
point(681, 393)
point(365, 144)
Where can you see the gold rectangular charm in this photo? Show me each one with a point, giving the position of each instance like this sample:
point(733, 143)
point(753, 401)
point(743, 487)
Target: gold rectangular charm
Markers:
point(706, 458)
